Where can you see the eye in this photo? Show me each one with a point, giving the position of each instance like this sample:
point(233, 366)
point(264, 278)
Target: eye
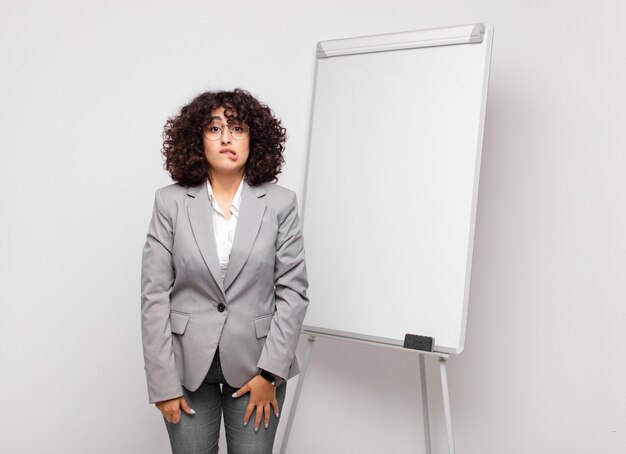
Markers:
point(214, 129)
point(237, 129)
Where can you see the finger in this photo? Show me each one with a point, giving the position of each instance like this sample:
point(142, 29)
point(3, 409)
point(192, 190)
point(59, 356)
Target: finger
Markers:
point(168, 413)
point(185, 406)
point(241, 391)
point(176, 417)
point(275, 405)
point(266, 410)
point(246, 416)
point(257, 420)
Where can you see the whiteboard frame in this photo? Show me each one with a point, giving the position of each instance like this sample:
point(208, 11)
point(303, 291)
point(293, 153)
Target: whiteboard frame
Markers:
point(444, 36)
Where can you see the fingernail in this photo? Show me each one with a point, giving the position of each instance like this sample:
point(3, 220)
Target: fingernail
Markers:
point(235, 394)
point(256, 429)
point(267, 425)
point(245, 423)
point(192, 411)
point(276, 413)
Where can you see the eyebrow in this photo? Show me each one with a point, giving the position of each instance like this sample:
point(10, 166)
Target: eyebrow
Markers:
point(233, 120)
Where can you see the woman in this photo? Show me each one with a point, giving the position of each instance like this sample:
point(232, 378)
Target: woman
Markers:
point(223, 277)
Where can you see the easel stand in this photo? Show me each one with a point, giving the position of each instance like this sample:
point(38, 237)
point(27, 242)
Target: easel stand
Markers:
point(443, 358)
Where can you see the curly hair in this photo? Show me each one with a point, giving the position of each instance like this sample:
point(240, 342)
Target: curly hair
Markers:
point(183, 148)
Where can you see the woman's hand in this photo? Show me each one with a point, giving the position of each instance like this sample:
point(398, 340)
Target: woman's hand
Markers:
point(171, 408)
point(262, 395)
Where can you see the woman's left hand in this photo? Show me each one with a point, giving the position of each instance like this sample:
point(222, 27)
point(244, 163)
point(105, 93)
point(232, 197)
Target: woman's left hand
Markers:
point(262, 395)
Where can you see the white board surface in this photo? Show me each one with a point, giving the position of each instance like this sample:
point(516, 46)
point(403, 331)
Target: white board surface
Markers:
point(391, 187)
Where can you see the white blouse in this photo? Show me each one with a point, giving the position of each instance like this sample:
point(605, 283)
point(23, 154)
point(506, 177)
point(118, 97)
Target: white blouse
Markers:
point(224, 228)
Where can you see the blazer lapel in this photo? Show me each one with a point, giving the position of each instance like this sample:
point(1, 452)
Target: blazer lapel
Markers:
point(200, 217)
point(251, 212)
point(200, 214)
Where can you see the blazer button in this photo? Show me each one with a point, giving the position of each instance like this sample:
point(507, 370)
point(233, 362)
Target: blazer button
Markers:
point(220, 307)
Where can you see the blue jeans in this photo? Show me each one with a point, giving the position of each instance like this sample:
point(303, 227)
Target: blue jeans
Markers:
point(200, 433)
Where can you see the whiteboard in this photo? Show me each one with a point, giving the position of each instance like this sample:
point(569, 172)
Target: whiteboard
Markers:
point(391, 184)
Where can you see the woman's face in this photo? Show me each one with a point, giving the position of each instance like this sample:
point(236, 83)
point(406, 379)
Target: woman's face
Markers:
point(226, 155)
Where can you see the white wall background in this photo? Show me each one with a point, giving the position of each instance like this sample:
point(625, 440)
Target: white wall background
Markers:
point(85, 88)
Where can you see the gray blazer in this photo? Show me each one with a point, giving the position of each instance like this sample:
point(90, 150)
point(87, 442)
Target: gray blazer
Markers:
point(255, 315)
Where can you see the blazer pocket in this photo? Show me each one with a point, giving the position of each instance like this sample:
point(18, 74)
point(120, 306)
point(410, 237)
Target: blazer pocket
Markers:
point(262, 325)
point(178, 322)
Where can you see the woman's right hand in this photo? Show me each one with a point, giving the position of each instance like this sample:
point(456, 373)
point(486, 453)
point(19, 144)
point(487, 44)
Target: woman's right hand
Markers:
point(171, 408)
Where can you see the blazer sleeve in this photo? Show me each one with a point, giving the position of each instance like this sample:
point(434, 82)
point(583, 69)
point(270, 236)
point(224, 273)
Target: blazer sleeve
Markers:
point(157, 278)
point(291, 284)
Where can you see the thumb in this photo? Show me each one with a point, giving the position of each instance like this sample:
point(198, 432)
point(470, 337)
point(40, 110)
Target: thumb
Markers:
point(185, 406)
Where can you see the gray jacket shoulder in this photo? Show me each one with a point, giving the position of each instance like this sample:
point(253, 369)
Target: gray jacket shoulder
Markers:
point(171, 191)
point(169, 199)
point(279, 197)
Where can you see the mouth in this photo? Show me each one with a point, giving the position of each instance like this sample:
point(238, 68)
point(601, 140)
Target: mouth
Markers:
point(229, 152)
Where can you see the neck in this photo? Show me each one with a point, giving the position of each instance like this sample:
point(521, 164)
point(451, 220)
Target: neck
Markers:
point(225, 184)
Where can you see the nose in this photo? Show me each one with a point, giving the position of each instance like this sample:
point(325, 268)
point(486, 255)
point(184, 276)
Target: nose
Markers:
point(225, 138)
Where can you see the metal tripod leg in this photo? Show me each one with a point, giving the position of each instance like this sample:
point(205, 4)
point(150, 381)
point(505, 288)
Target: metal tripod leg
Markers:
point(425, 404)
point(296, 396)
point(446, 402)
